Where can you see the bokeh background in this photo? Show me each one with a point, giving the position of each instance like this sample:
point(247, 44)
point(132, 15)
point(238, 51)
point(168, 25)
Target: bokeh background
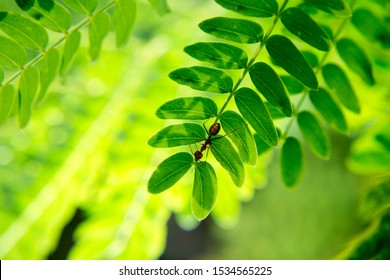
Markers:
point(73, 182)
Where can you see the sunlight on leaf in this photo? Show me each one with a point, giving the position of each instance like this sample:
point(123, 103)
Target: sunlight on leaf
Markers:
point(177, 135)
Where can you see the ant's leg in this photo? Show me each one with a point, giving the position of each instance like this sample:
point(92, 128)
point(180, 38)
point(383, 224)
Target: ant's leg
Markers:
point(191, 148)
point(207, 131)
point(219, 137)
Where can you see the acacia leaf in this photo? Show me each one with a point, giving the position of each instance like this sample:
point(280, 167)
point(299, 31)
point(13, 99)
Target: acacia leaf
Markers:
point(237, 130)
point(23, 30)
point(221, 55)
point(49, 13)
point(188, 108)
point(98, 29)
point(371, 27)
point(229, 159)
point(231, 29)
point(1, 75)
point(7, 97)
point(203, 78)
point(329, 109)
point(291, 162)
point(337, 80)
point(286, 54)
point(123, 20)
point(253, 110)
point(71, 46)
point(271, 87)
point(355, 58)
point(27, 91)
point(204, 192)
point(161, 6)
point(314, 134)
point(338, 8)
point(261, 146)
point(82, 6)
point(12, 55)
point(177, 135)
point(303, 26)
point(48, 67)
point(292, 85)
point(169, 171)
point(252, 8)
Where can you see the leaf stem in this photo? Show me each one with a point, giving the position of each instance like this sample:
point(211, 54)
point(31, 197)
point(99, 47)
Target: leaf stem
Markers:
point(59, 41)
point(253, 59)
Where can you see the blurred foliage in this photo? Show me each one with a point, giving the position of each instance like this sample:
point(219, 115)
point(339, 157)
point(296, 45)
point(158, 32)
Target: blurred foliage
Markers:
point(86, 148)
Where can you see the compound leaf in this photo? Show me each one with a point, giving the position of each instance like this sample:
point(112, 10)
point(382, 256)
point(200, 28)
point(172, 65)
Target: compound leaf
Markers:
point(82, 6)
point(230, 160)
point(169, 171)
point(314, 134)
point(48, 70)
point(27, 91)
point(7, 97)
point(302, 25)
point(49, 13)
point(221, 55)
point(204, 192)
point(123, 19)
point(177, 135)
point(237, 130)
point(98, 29)
point(329, 109)
point(72, 44)
point(12, 55)
point(188, 108)
point(355, 59)
point(231, 29)
point(203, 78)
point(336, 7)
point(253, 110)
point(291, 162)
point(23, 30)
point(253, 8)
point(286, 54)
point(271, 87)
point(338, 81)
point(371, 27)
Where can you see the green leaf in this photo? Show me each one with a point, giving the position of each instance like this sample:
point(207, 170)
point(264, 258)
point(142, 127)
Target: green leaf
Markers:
point(370, 26)
point(231, 29)
point(252, 8)
point(237, 130)
point(336, 7)
point(302, 25)
point(286, 54)
point(72, 44)
point(271, 87)
point(338, 81)
point(204, 193)
point(291, 162)
point(81, 6)
point(49, 13)
point(1, 75)
point(27, 90)
point(355, 58)
point(230, 160)
point(98, 29)
point(261, 146)
point(177, 135)
point(161, 6)
point(292, 85)
point(314, 134)
point(203, 78)
point(7, 97)
point(23, 30)
point(253, 110)
point(219, 54)
point(48, 67)
point(188, 108)
point(123, 19)
point(169, 172)
point(311, 58)
point(274, 113)
point(12, 55)
point(329, 109)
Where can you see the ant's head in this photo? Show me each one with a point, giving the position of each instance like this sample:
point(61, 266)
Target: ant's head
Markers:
point(198, 155)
